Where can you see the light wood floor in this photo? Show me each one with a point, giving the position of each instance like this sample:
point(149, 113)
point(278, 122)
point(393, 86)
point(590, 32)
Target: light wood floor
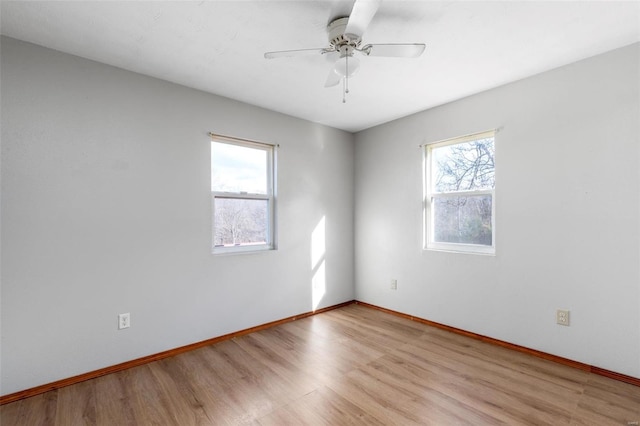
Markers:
point(353, 365)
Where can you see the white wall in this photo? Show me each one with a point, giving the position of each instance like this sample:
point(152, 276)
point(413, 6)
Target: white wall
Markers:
point(106, 209)
point(568, 215)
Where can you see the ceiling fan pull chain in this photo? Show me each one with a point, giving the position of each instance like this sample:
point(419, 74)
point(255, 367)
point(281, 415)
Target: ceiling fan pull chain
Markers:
point(345, 80)
point(347, 74)
point(344, 90)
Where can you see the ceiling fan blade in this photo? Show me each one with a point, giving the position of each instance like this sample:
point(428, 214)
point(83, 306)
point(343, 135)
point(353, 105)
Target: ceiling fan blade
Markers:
point(361, 15)
point(298, 52)
point(411, 50)
point(333, 79)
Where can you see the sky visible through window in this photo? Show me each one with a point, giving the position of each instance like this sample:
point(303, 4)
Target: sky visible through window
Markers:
point(238, 169)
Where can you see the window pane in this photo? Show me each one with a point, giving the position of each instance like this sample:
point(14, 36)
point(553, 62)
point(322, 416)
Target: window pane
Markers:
point(465, 220)
point(240, 222)
point(464, 166)
point(237, 168)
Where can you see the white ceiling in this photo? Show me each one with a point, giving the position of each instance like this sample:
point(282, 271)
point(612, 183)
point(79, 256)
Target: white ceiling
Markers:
point(218, 46)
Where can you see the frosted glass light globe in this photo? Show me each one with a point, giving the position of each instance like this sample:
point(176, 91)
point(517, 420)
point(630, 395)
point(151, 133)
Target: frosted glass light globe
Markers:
point(341, 66)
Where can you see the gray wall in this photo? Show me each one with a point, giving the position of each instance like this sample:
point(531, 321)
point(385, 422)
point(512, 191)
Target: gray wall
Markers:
point(106, 209)
point(567, 213)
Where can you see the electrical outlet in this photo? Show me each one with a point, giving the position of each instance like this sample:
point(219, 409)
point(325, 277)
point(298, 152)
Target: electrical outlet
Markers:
point(124, 321)
point(394, 284)
point(562, 317)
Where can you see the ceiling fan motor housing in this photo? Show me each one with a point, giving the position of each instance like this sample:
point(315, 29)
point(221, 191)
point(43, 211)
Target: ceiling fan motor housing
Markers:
point(337, 36)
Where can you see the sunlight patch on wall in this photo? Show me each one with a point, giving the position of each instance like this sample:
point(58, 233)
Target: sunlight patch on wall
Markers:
point(318, 249)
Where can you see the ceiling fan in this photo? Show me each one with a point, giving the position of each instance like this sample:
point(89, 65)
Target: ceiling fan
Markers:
point(345, 41)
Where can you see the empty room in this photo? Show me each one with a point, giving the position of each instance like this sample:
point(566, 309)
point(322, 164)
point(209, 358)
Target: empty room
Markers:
point(336, 212)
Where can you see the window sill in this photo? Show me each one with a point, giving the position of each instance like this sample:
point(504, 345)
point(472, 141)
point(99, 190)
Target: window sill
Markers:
point(462, 249)
point(234, 250)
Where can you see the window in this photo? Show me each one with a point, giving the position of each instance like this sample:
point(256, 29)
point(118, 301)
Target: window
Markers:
point(242, 195)
point(459, 202)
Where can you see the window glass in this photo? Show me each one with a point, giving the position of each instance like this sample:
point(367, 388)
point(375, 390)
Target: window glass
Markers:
point(238, 169)
point(464, 166)
point(240, 221)
point(460, 194)
point(465, 220)
point(243, 196)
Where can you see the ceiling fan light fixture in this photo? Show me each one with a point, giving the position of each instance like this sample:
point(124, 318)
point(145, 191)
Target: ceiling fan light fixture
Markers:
point(345, 39)
point(346, 66)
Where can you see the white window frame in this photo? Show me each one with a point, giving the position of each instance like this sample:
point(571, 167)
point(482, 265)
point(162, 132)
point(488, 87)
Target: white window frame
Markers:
point(270, 197)
point(430, 195)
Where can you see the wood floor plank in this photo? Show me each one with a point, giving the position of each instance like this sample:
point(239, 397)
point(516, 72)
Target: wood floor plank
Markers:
point(10, 413)
point(353, 365)
point(320, 407)
point(397, 327)
point(113, 401)
point(255, 396)
point(227, 362)
point(522, 371)
point(321, 363)
point(208, 391)
point(182, 401)
point(368, 333)
point(377, 398)
point(76, 405)
point(606, 402)
point(434, 394)
point(285, 372)
point(39, 410)
point(148, 401)
point(494, 355)
point(498, 394)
